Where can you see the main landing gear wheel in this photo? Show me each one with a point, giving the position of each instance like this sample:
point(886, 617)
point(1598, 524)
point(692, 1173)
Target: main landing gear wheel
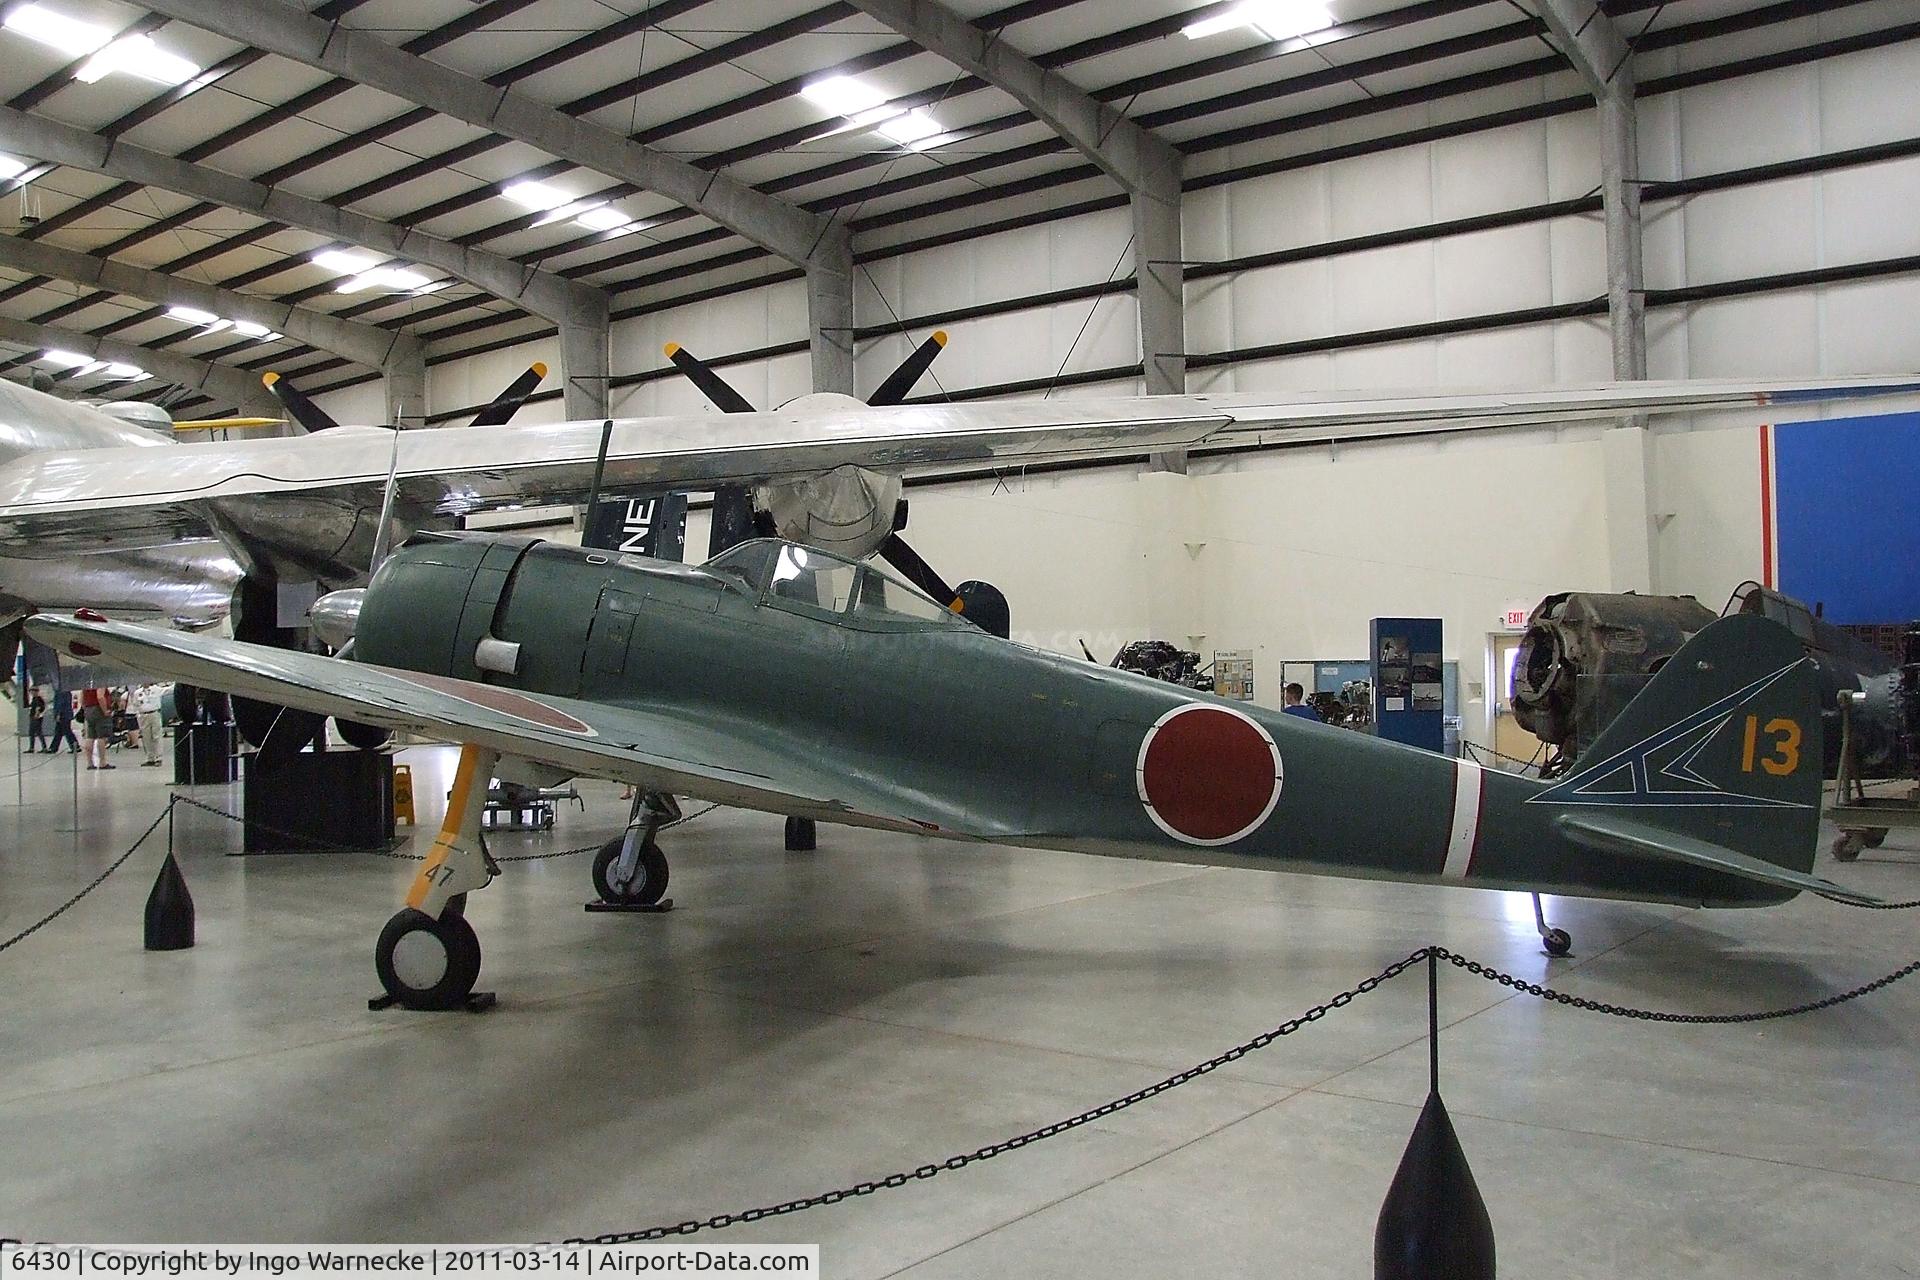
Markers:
point(643, 886)
point(1848, 844)
point(426, 962)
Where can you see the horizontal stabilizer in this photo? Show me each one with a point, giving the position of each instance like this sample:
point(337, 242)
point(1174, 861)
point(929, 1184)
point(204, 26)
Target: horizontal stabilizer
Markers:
point(1606, 833)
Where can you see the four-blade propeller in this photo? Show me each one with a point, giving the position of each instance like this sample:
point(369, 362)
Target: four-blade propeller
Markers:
point(496, 412)
point(734, 516)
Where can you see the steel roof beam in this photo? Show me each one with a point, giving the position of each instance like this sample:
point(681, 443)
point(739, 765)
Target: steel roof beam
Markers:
point(365, 344)
point(1146, 165)
point(553, 298)
point(400, 357)
point(807, 239)
point(223, 382)
point(1588, 39)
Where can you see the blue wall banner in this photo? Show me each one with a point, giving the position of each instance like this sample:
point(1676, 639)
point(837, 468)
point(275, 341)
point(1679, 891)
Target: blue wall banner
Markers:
point(1840, 515)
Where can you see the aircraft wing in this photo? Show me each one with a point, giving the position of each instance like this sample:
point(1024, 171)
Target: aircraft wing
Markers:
point(52, 503)
point(656, 748)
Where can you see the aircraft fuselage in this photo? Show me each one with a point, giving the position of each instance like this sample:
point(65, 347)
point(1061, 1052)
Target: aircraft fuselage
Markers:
point(984, 734)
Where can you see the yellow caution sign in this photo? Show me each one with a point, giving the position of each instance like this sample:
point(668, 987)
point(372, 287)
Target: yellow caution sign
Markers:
point(403, 793)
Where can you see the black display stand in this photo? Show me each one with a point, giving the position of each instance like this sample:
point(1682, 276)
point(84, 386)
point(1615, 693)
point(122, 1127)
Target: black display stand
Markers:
point(203, 753)
point(318, 802)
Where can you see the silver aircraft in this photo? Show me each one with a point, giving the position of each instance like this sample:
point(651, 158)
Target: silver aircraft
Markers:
point(243, 517)
point(190, 580)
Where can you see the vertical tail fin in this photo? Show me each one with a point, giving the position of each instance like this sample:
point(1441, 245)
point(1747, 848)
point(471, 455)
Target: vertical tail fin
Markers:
point(1716, 762)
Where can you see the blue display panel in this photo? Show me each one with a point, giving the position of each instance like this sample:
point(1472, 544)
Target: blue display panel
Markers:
point(1842, 516)
point(1409, 681)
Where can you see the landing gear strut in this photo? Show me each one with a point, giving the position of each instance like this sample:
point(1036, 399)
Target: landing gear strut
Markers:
point(428, 956)
point(630, 871)
point(1558, 942)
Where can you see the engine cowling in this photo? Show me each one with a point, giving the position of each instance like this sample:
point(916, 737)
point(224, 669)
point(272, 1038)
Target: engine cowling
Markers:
point(849, 510)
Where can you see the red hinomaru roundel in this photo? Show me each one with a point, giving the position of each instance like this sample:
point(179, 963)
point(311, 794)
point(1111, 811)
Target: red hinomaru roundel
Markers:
point(1208, 775)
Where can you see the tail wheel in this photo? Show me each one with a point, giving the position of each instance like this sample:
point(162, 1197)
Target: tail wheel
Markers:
point(648, 882)
point(428, 963)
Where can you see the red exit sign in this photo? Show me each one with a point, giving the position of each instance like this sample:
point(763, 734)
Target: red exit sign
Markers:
point(1515, 619)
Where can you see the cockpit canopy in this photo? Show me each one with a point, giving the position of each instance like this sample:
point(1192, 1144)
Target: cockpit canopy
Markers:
point(807, 580)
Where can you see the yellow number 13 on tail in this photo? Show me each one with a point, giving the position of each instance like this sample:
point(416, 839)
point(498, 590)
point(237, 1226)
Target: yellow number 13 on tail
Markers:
point(1784, 758)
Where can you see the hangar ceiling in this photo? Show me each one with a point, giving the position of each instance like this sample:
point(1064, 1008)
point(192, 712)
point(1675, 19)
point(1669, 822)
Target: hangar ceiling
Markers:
point(898, 146)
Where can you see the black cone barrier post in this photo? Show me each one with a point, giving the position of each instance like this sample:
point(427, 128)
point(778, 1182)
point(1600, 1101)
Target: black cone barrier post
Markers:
point(1434, 1225)
point(169, 906)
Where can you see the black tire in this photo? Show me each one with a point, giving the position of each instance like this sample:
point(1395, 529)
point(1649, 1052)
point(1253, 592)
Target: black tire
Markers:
point(365, 737)
point(1847, 846)
point(800, 836)
point(411, 971)
point(1558, 942)
point(650, 874)
point(1876, 836)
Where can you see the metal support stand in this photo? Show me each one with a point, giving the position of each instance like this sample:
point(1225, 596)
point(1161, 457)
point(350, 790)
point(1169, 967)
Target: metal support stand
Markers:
point(1433, 1222)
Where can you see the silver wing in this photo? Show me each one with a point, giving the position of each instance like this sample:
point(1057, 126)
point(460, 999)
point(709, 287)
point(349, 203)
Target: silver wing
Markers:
point(53, 503)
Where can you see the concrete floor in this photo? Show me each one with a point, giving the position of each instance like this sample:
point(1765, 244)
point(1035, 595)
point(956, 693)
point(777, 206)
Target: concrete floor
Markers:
point(805, 1021)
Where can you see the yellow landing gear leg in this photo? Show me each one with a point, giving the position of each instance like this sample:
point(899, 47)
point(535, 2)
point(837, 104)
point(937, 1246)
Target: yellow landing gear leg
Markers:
point(428, 956)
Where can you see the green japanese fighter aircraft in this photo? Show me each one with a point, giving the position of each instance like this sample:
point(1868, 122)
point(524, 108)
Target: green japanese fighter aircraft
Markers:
point(782, 678)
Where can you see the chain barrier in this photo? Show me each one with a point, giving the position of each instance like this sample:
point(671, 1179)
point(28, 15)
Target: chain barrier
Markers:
point(1908, 905)
point(95, 883)
point(1479, 755)
point(1494, 975)
point(720, 1221)
point(925, 1171)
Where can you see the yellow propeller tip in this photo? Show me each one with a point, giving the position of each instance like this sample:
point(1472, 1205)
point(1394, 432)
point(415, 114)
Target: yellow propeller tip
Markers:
point(940, 337)
point(539, 368)
point(268, 379)
point(958, 605)
point(672, 349)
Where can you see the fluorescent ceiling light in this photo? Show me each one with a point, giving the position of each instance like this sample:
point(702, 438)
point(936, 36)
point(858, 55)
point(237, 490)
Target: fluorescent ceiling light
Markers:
point(843, 95)
point(191, 315)
point(12, 167)
point(70, 36)
point(400, 278)
point(139, 56)
point(345, 262)
point(65, 359)
point(125, 372)
point(535, 195)
point(909, 129)
point(248, 329)
point(354, 284)
point(1274, 19)
point(603, 218)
